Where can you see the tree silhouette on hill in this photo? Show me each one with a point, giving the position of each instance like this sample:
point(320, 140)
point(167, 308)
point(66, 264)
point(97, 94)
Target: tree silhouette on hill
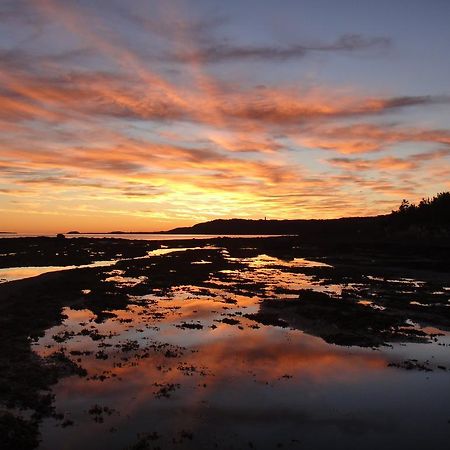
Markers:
point(434, 211)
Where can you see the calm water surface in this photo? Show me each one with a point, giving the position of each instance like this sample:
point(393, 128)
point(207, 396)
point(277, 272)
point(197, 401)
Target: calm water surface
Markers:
point(140, 237)
point(184, 368)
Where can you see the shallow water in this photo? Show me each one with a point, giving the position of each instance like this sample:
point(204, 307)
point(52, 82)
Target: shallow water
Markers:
point(20, 273)
point(184, 368)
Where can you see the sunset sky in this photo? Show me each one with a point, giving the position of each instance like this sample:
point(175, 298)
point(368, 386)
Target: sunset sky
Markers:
point(146, 115)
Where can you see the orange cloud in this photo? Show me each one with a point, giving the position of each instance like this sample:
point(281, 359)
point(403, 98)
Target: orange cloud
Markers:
point(118, 132)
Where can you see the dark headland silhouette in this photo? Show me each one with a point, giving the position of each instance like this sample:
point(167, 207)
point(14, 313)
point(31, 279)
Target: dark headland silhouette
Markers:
point(430, 218)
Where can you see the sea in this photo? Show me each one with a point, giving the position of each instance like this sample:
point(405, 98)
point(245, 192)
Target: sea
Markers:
point(140, 236)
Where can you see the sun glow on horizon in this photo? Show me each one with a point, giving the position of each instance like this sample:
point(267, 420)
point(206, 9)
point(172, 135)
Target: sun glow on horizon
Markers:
point(157, 116)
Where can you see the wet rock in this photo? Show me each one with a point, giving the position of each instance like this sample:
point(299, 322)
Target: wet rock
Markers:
point(338, 321)
point(229, 321)
point(411, 364)
point(190, 325)
point(18, 433)
point(165, 390)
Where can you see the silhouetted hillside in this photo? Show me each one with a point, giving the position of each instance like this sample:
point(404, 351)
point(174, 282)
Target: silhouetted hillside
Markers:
point(430, 219)
point(274, 227)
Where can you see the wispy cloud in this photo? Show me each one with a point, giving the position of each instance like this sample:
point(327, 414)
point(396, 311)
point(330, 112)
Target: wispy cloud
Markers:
point(225, 52)
point(100, 119)
point(388, 163)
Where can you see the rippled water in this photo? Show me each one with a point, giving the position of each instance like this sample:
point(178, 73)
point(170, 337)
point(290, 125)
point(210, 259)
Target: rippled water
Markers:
point(188, 367)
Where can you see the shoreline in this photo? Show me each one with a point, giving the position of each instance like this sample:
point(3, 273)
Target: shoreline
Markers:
point(343, 298)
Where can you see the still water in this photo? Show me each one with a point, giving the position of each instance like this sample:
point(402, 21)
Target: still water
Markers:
point(188, 367)
point(19, 273)
point(139, 237)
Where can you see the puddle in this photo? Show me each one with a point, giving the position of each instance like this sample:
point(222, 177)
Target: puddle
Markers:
point(20, 273)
